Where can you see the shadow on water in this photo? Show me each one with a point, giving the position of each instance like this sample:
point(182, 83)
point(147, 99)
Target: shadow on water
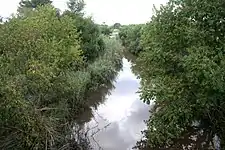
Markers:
point(195, 138)
point(94, 100)
point(130, 57)
point(133, 60)
point(115, 117)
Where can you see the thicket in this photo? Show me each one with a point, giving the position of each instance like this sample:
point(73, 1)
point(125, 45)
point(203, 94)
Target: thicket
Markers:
point(182, 70)
point(90, 36)
point(105, 29)
point(49, 64)
point(130, 36)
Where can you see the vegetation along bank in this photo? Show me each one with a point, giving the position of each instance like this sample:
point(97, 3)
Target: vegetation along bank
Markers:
point(50, 62)
point(181, 63)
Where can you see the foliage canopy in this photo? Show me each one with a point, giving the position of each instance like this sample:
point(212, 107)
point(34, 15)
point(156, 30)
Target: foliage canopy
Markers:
point(130, 36)
point(49, 65)
point(182, 69)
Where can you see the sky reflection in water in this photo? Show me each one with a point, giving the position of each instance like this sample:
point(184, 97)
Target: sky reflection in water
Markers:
point(123, 112)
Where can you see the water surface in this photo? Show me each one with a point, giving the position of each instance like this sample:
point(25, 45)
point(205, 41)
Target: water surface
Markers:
point(117, 122)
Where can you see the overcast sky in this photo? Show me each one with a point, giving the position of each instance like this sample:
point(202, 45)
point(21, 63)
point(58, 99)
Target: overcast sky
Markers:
point(109, 11)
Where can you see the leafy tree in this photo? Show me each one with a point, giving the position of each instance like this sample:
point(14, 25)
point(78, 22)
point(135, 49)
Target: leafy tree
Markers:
point(182, 69)
point(45, 82)
point(91, 42)
point(39, 57)
point(76, 6)
point(25, 6)
point(130, 36)
point(104, 29)
point(116, 25)
point(33, 3)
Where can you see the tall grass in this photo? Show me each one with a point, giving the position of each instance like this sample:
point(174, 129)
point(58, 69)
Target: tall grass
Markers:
point(97, 75)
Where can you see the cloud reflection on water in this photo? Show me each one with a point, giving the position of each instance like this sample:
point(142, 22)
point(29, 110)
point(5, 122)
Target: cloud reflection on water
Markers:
point(124, 111)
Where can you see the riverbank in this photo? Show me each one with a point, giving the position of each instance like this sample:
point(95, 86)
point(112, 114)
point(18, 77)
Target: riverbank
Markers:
point(48, 71)
point(181, 67)
point(97, 76)
point(100, 73)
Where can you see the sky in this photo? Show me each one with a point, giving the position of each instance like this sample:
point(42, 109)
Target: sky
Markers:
point(108, 11)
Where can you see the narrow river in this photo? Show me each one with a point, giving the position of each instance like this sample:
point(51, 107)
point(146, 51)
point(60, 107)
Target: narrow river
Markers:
point(117, 122)
point(115, 118)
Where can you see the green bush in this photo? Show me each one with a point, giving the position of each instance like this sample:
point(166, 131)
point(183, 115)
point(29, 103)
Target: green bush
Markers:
point(106, 67)
point(130, 36)
point(45, 82)
point(36, 53)
point(91, 42)
point(182, 68)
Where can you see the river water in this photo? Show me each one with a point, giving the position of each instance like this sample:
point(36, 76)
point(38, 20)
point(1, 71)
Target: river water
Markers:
point(116, 115)
point(118, 121)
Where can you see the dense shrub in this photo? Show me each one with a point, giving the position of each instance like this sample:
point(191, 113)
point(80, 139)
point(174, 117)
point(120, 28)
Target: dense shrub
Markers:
point(130, 36)
point(45, 81)
point(182, 69)
point(36, 53)
point(91, 42)
point(105, 29)
point(106, 67)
